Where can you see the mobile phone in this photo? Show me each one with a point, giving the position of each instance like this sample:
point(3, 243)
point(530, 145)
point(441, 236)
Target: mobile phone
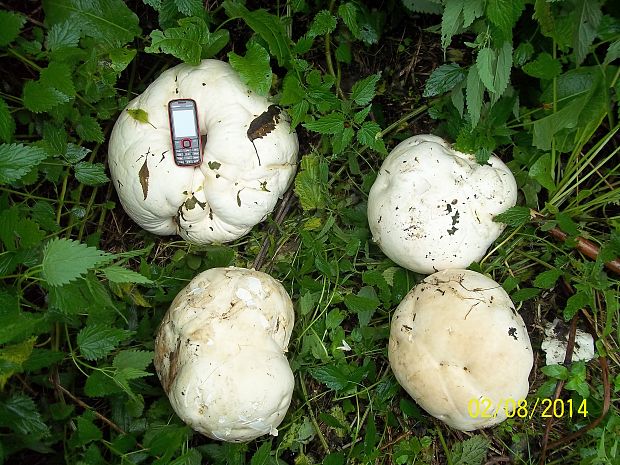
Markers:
point(184, 131)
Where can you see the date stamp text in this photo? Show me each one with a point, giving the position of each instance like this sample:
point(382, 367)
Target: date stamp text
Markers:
point(511, 408)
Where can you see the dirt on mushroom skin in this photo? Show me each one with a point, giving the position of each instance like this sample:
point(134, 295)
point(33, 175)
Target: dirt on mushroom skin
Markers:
point(454, 339)
point(220, 354)
point(432, 208)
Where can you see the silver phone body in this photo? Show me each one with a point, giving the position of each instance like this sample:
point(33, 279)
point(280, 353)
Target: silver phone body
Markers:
point(185, 133)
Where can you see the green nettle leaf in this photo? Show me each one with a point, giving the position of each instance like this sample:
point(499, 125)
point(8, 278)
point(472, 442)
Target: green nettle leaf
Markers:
point(20, 414)
point(119, 274)
point(543, 67)
point(263, 455)
point(311, 182)
point(332, 376)
point(97, 341)
point(63, 35)
point(332, 123)
point(555, 371)
point(504, 13)
point(7, 123)
point(12, 357)
point(502, 69)
point(190, 42)
point(613, 52)
point(65, 260)
point(323, 23)
point(423, 6)
point(444, 78)
point(473, 95)
point(10, 25)
point(156, 4)
point(269, 27)
point(486, 62)
point(524, 294)
point(546, 128)
point(39, 97)
point(91, 174)
point(120, 58)
point(370, 134)
point(514, 216)
point(547, 279)
point(348, 13)
point(587, 20)
point(108, 20)
point(137, 359)
point(472, 451)
point(472, 10)
point(253, 68)
point(451, 21)
point(16, 160)
point(89, 129)
point(542, 13)
point(189, 7)
point(74, 153)
point(523, 53)
point(541, 172)
point(575, 303)
point(363, 91)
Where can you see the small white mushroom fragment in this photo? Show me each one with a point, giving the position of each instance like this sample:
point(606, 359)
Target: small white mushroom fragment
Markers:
point(431, 207)
point(556, 342)
point(460, 350)
point(219, 354)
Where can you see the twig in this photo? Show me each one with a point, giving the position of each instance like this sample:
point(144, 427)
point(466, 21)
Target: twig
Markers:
point(285, 206)
point(501, 459)
point(586, 247)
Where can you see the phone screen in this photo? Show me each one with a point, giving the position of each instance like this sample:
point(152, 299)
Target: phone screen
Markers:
point(184, 125)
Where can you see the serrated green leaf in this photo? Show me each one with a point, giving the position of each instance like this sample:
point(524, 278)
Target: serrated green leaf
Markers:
point(42, 358)
point(332, 376)
point(17, 159)
point(108, 20)
point(341, 141)
point(502, 69)
point(263, 455)
point(10, 25)
point(472, 10)
point(486, 63)
point(423, 6)
point(15, 325)
point(363, 91)
point(253, 68)
point(348, 13)
point(370, 134)
point(97, 341)
point(16, 231)
point(473, 95)
point(86, 429)
point(523, 53)
point(185, 42)
point(323, 23)
point(524, 294)
point(269, 27)
point(514, 216)
point(451, 21)
point(65, 260)
point(311, 182)
point(541, 171)
point(547, 279)
point(63, 35)
point(20, 414)
point(444, 78)
point(7, 123)
point(138, 359)
point(120, 58)
point(74, 153)
point(99, 384)
point(193, 457)
point(555, 371)
point(89, 130)
point(119, 274)
point(13, 357)
point(587, 19)
point(155, 4)
point(91, 174)
point(542, 13)
point(472, 451)
point(613, 52)
point(332, 123)
point(189, 7)
point(39, 97)
point(543, 67)
point(566, 118)
point(504, 13)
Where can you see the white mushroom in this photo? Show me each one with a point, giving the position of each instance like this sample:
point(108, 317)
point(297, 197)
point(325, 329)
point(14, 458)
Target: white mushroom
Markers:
point(460, 349)
point(555, 343)
point(431, 207)
point(249, 160)
point(219, 354)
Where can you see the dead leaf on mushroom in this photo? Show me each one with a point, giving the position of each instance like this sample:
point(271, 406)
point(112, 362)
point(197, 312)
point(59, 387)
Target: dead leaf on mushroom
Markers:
point(143, 174)
point(263, 124)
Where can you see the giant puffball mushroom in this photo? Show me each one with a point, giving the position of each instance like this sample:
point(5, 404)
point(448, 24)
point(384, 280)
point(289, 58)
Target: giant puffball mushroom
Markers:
point(460, 350)
point(219, 354)
point(249, 159)
point(431, 207)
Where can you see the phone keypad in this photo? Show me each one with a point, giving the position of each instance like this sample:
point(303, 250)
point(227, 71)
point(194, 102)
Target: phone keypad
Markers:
point(187, 154)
